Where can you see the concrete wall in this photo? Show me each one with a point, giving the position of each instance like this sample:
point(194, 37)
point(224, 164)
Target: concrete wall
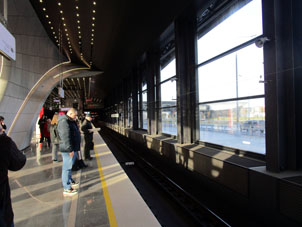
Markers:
point(35, 54)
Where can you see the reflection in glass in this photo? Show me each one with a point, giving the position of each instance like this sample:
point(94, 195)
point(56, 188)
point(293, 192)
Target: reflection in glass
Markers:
point(242, 26)
point(238, 124)
point(169, 121)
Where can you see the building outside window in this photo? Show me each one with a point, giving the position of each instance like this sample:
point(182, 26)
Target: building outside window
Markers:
point(230, 74)
point(168, 98)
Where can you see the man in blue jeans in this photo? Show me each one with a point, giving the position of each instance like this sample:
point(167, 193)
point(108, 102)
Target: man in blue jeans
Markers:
point(70, 140)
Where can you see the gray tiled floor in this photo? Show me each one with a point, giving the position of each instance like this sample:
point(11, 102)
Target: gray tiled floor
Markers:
point(37, 194)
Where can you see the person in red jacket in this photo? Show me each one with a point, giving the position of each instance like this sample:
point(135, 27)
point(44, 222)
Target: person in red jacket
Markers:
point(46, 131)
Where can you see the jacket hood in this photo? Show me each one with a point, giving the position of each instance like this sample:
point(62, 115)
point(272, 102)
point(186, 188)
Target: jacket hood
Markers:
point(62, 117)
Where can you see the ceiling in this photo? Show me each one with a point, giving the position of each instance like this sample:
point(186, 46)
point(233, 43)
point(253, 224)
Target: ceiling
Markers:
point(109, 36)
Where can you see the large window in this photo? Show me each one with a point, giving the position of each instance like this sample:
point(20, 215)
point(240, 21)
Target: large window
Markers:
point(144, 112)
point(142, 107)
point(130, 112)
point(231, 92)
point(168, 98)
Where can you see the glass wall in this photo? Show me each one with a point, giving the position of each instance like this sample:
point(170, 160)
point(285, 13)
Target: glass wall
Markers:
point(231, 92)
point(145, 116)
point(130, 112)
point(142, 107)
point(168, 98)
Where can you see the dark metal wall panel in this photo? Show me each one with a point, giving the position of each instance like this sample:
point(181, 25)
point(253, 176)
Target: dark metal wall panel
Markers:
point(281, 99)
point(263, 191)
point(290, 200)
point(187, 90)
point(297, 43)
point(134, 99)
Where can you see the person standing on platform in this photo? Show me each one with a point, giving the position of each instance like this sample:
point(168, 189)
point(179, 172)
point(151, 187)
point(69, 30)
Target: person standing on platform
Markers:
point(88, 136)
point(12, 159)
point(54, 137)
point(79, 163)
point(70, 139)
point(41, 123)
point(2, 124)
point(46, 132)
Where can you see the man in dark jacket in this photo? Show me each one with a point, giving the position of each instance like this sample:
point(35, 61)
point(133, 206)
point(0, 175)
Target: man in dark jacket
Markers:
point(10, 159)
point(70, 140)
point(88, 136)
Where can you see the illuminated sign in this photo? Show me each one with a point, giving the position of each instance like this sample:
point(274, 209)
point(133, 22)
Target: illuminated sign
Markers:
point(7, 43)
point(116, 115)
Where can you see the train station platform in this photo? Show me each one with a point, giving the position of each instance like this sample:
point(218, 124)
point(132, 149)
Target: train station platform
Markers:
point(106, 195)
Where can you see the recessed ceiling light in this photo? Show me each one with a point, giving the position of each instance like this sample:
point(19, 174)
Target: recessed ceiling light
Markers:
point(92, 30)
point(92, 34)
point(66, 34)
point(92, 25)
point(59, 3)
point(65, 29)
point(55, 37)
point(92, 39)
point(79, 27)
point(93, 11)
point(41, 1)
point(78, 15)
point(49, 22)
point(93, 18)
point(63, 18)
point(94, 3)
point(78, 21)
point(79, 32)
point(44, 9)
point(51, 28)
point(61, 11)
point(80, 37)
point(64, 25)
point(46, 16)
point(53, 33)
point(91, 43)
point(77, 7)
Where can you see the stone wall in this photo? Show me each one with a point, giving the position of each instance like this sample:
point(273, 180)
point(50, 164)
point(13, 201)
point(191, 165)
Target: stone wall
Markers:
point(35, 55)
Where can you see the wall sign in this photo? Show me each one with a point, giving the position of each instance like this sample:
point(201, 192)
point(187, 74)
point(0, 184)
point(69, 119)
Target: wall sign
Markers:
point(7, 43)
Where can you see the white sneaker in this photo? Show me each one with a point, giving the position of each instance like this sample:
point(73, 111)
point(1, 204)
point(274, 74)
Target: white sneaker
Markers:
point(70, 192)
point(74, 185)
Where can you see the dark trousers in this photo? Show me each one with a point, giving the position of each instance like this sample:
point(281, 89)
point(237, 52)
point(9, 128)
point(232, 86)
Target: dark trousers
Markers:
point(42, 136)
point(88, 145)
